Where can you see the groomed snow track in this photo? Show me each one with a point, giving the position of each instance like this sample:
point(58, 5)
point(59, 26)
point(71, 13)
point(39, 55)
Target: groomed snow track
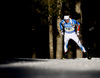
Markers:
point(50, 68)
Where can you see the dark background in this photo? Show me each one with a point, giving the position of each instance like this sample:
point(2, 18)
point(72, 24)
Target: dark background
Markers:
point(19, 40)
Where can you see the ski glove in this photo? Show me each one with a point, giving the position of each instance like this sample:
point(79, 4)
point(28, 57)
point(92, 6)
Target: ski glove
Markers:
point(78, 28)
point(77, 32)
point(62, 32)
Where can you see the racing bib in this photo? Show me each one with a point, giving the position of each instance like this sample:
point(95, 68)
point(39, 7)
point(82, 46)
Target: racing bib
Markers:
point(67, 29)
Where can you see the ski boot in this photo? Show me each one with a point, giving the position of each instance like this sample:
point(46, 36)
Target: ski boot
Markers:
point(65, 56)
point(87, 55)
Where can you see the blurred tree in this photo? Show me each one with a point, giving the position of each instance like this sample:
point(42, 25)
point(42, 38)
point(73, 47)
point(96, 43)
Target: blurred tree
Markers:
point(54, 19)
point(79, 19)
point(51, 50)
point(59, 49)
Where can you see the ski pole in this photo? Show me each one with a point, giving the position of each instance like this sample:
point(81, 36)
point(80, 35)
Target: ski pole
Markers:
point(84, 42)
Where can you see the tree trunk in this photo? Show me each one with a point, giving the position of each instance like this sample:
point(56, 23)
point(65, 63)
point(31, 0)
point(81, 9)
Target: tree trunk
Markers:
point(50, 33)
point(79, 11)
point(59, 36)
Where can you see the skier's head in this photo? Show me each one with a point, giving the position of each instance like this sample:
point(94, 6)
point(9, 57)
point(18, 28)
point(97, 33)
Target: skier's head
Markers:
point(66, 18)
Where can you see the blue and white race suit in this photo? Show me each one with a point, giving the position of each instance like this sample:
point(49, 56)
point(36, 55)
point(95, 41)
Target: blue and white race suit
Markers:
point(69, 29)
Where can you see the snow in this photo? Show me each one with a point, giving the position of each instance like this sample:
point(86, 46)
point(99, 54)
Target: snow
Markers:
point(78, 64)
point(50, 68)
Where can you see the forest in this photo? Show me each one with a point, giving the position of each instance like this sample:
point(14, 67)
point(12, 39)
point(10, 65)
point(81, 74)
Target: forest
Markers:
point(47, 41)
point(38, 25)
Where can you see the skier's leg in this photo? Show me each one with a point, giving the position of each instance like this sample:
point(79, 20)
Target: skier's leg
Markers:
point(66, 40)
point(76, 39)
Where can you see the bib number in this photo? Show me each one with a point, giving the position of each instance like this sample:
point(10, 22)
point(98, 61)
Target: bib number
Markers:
point(69, 29)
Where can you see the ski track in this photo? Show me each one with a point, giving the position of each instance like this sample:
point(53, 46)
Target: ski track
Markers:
point(78, 64)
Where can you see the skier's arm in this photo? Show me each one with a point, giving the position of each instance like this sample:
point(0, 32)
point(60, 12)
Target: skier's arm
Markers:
point(78, 26)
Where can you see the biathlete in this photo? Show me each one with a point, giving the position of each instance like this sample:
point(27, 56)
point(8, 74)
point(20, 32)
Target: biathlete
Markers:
point(67, 26)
